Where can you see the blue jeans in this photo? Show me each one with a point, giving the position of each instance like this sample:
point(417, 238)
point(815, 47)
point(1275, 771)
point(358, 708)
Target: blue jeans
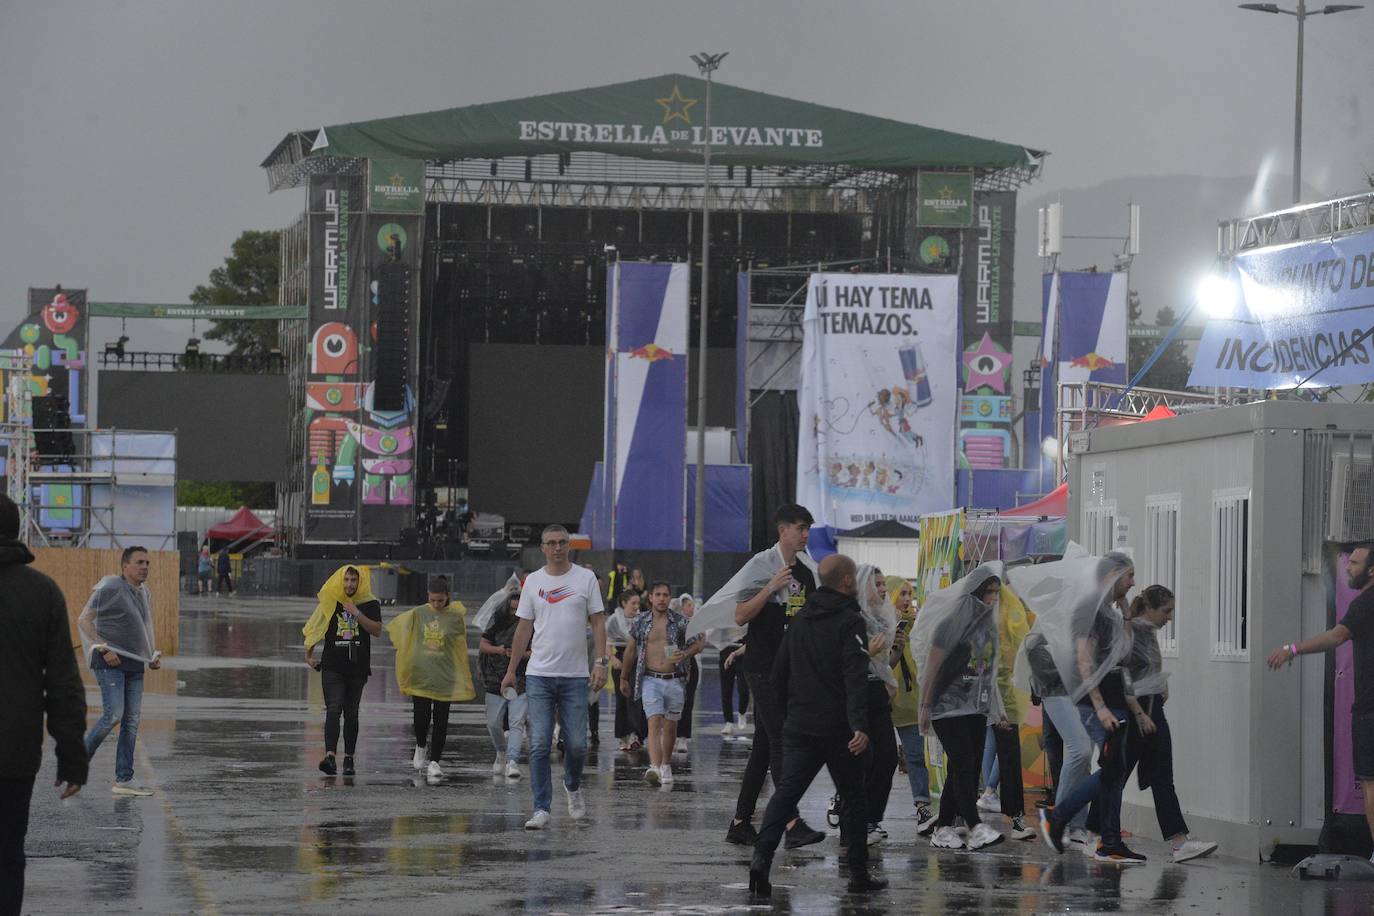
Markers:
point(914, 750)
point(514, 711)
point(1078, 751)
point(567, 695)
point(1104, 785)
point(121, 700)
point(992, 774)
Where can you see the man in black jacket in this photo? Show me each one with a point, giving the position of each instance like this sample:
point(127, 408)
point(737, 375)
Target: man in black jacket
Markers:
point(821, 674)
point(39, 678)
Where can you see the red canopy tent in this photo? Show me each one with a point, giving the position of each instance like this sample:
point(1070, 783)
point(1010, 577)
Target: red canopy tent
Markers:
point(243, 526)
point(1054, 504)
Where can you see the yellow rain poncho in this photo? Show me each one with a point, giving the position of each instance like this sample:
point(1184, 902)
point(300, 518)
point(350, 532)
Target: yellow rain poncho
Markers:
point(432, 653)
point(331, 594)
point(1014, 624)
point(906, 705)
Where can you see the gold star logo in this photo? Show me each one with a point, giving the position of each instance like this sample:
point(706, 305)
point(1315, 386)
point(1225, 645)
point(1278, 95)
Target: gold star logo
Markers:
point(397, 179)
point(675, 106)
point(945, 193)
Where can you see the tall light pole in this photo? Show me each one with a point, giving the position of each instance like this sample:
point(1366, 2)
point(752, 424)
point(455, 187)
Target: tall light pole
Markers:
point(707, 64)
point(1301, 14)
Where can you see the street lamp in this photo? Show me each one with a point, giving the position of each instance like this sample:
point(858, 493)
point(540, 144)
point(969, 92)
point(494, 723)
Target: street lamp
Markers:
point(707, 64)
point(1301, 14)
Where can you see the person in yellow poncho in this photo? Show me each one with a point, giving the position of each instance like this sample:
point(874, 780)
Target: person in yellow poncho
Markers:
point(1013, 624)
point(346, 618)
point(432, 669)
point(906, 705)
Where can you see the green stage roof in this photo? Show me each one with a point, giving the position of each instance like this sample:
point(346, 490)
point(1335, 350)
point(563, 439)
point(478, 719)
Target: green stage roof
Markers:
point(660, 118)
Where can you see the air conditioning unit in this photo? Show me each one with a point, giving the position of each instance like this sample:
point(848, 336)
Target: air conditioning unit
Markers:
point(1350, 512)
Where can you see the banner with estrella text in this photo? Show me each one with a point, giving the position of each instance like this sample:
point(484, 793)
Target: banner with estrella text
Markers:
point(879, 395)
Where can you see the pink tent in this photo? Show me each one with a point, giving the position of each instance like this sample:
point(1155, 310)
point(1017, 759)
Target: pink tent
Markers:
point(242, 526)
point(1054, 504)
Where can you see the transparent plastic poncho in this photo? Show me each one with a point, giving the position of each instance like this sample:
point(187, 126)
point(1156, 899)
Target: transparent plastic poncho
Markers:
point(719, 611)
point(880, 619)
point(1079, 636)
point(487, 612)
point(955, 646)
point(119, 616)
point(1145, 664)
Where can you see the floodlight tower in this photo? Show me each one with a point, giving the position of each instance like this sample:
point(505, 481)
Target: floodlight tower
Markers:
point(1301, 14)
point(707, 64)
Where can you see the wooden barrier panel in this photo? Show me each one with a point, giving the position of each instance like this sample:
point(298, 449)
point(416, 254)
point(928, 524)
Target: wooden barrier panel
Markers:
point(77, 569)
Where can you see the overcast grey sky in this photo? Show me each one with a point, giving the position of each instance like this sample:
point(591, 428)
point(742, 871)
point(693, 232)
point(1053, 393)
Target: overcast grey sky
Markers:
point(131, 133)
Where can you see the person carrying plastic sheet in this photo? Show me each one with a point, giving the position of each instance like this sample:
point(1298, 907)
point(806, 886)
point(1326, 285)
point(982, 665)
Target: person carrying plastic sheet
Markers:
point(347, 615)
point(956, 646)
point(432, 669)
point(505, 710)
point(40, 679)
point(821, 674)
point(116, 628)
point(906, 705)
point(556, 604)
point(765, 594)
point(1089, 645)
point(1150, 744)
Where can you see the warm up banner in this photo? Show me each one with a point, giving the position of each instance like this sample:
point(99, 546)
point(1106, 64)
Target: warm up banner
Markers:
point(879, 393)
point(1296, 318)
point(985, 411)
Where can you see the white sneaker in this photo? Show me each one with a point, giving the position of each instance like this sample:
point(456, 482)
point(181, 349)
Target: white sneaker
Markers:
point(434, 773)
point(512, 770)
point(876, 834)
point(1194, 849)
point(680, 746)
point(577, 808)
point(497, 765)
point(652, 776)
point(1019, 830)
point(727, 730)
point(989, 801)
point(665, 773)
point(743, 723)
point(946, 838)
point(984, 836)
point(538, 822)
point(1084, 840)
point(418, 760)
point(128, 788)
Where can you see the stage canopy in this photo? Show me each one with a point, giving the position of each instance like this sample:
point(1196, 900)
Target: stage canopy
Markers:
point(659, 118)
point(243, 525)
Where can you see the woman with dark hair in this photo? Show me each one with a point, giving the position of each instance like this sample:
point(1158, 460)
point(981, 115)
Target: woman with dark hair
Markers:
point(956, 638)
point(630, 726)
point(505, 713)
point(1150, 744)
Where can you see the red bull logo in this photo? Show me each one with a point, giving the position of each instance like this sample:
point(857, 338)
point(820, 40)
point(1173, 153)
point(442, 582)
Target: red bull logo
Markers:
point(1092, 362)
point(651, 352)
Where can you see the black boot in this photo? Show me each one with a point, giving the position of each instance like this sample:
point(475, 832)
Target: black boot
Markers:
point(760, 888)
point(862, 882)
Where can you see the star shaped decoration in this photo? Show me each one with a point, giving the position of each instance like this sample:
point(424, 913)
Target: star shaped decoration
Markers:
point(397, 178)
point(676, 106)
point(945, 193)
point(986, 366)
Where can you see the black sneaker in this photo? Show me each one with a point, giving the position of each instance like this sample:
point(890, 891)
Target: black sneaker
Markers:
point(800, 834)
point(1053, 833)
point(741, 833)
point(1118, 854)
point(348, 766)
point(327, 766)
point(861, 881)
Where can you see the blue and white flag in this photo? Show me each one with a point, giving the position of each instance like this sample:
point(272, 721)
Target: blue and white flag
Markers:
point(1292, 315)
point(1086, 314)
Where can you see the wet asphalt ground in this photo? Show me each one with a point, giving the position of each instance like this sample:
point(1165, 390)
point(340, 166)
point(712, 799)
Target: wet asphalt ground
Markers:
point(242, 821)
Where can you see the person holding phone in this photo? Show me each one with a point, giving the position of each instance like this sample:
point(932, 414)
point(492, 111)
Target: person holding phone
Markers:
point(346, 618)
point(906, 705)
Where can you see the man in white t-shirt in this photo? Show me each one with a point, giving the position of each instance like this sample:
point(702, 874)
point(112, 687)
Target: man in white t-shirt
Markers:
point(556, 604)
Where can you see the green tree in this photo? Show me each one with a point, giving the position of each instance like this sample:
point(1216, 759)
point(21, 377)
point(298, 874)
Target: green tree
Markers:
point(226, 494)
point(1170, 372)
point(250, 276)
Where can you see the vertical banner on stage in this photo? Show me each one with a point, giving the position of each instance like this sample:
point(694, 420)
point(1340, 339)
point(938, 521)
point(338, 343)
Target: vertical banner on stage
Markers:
point(338, 341)
point(53, 338)
point(878, 396)
point(985, 403)
point(1085, 336)
point(644, 476)
point(742, 368)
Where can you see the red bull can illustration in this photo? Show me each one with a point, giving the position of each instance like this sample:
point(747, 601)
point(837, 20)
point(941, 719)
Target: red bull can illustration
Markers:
point(914, 370)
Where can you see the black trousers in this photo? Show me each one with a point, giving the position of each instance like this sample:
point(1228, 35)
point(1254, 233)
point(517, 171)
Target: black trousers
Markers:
point(14, 826)
point(962, 738)
point(430, 714)
point(803, 757)
point(629, 713)
point(880, 760)
point(342, 696)
point(1013, 791)
point(1155, 756)
point(224, 583)
point(766, 752)
point(731, 680)
point(684, 725)
point(1054, 753)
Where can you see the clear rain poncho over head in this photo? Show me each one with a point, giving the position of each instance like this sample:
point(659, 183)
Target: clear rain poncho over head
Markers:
point(432, 653)
point(1145, 664)
point(880, 619)
point(958, 632)
point(1079, 635)
point(719, 611)
point(488, 610)
point(120, 617)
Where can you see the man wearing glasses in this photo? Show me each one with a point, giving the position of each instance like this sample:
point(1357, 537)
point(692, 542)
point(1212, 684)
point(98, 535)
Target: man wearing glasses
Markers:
point(556, 604)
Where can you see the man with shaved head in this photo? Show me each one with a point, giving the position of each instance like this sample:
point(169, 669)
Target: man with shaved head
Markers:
point(821, 676)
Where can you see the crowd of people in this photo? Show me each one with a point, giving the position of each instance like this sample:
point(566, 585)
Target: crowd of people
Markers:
point(841, 667)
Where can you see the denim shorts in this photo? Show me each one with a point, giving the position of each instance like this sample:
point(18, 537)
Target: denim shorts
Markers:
point(663, 697)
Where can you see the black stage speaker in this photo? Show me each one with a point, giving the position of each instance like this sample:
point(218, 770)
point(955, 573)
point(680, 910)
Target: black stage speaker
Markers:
point(392, 362)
